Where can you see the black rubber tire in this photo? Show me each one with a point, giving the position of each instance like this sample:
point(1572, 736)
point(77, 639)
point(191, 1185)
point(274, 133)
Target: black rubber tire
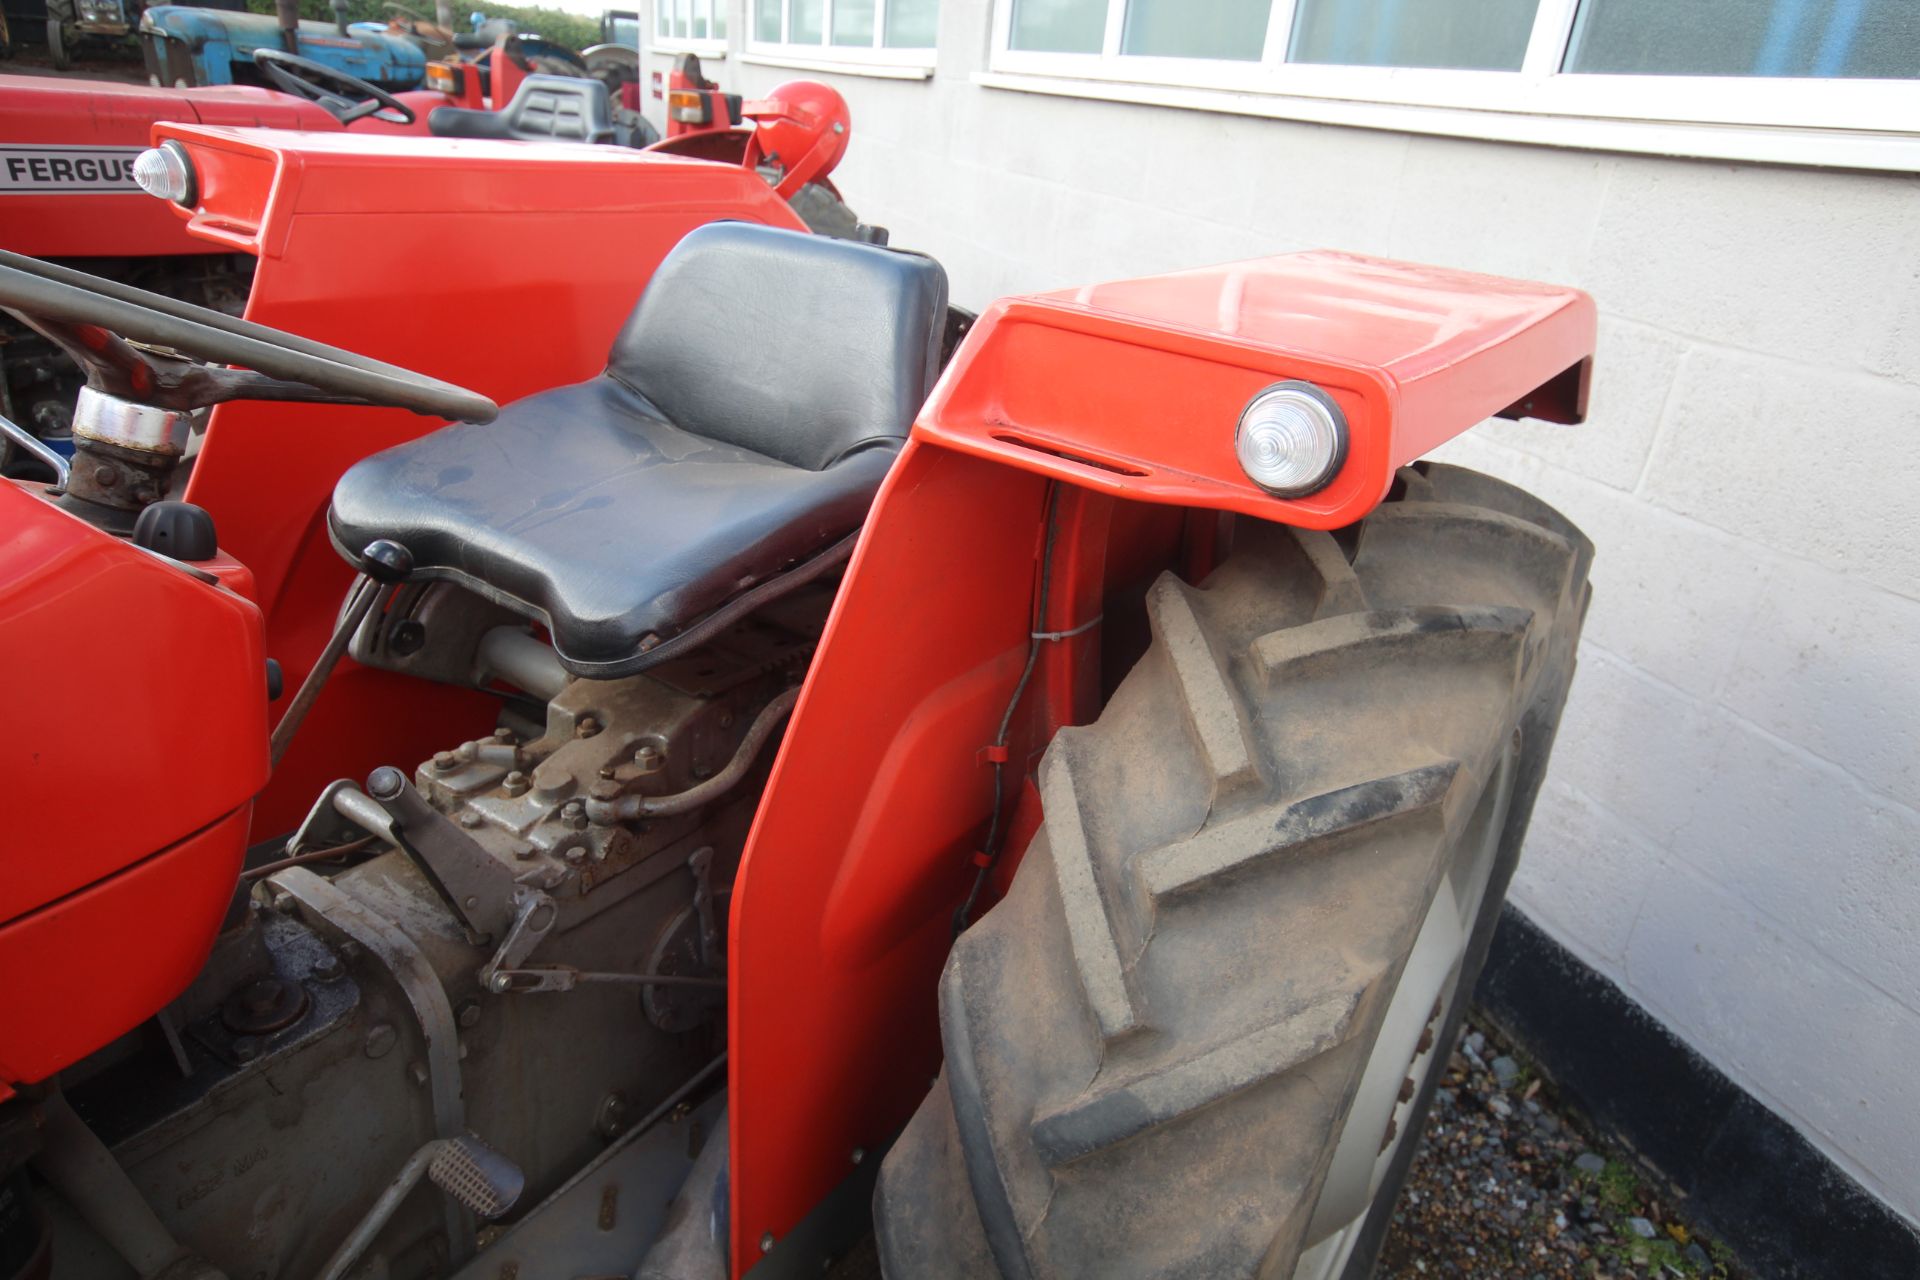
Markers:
point(548, 64)
point(1538, 731)
point(60, 15)
point(825, 213)
point(1153, 1042)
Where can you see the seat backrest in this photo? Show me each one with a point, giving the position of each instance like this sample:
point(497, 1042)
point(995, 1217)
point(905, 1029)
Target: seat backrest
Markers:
point(543, 109)
point(794, 346)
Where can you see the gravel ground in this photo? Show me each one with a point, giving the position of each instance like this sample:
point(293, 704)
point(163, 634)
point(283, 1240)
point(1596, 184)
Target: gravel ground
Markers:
point(1509, 1183)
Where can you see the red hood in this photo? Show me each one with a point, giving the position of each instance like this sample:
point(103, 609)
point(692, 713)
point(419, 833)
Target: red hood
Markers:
point(66, 147)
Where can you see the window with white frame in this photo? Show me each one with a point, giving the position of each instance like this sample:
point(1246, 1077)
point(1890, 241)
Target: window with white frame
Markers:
point(900, 32)
point(690, 23)
point(1849, 66)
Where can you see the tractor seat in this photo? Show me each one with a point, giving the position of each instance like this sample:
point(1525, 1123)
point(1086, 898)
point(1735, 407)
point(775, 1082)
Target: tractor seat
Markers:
point(750, 408)
point(543, 109)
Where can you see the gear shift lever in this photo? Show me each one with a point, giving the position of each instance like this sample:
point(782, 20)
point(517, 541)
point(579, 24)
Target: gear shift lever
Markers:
point(382, 564)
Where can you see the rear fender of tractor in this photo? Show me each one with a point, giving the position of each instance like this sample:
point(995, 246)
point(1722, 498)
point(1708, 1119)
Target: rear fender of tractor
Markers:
point(1065, 492)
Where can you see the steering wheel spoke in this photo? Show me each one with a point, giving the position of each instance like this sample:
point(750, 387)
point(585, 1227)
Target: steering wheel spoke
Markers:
point(318, 82)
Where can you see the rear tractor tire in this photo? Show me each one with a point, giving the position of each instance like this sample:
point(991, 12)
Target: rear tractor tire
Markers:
point(824, 212)
point(1201, 1032)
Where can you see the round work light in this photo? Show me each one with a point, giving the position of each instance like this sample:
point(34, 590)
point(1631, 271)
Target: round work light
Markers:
point(1291, 439)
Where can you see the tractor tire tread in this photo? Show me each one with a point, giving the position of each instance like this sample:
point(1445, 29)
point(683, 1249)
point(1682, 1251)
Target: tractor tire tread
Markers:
point(1152, 1040)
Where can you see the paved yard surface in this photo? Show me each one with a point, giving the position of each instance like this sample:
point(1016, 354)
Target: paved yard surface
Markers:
point(31, 60)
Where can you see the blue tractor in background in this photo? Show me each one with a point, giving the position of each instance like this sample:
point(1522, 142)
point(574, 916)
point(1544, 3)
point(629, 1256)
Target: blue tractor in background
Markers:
point(187, 47)
point(71, 26)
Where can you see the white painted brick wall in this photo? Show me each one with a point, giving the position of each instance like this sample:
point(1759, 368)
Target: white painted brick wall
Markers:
point(1731, 828)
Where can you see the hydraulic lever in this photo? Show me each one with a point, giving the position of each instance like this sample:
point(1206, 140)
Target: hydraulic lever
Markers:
point(476, 887)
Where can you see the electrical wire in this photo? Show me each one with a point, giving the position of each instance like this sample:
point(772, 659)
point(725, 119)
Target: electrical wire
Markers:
point(996, 832)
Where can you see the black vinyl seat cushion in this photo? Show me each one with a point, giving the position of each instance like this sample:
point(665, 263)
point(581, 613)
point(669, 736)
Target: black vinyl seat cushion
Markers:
point(585, 507)
point(752, 405)
point(543, 109)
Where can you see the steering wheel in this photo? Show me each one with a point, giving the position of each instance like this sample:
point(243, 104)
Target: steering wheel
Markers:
point(309, 79)
point(97, 322)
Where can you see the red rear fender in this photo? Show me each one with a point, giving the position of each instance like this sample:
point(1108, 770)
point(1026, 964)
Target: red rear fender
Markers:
point(1122, 399)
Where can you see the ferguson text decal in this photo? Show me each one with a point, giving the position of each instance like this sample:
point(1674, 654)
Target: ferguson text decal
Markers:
point(66, 170)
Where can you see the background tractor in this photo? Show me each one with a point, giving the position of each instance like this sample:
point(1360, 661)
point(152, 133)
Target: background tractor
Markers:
point(1049, 800)
point(187, 47)
point(72, 24)
point(616, 57)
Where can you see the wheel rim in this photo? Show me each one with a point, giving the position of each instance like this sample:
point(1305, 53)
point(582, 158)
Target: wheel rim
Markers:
point(1406, 1050)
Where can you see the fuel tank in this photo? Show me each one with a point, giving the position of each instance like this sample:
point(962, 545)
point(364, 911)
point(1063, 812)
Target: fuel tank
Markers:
point(133, 737)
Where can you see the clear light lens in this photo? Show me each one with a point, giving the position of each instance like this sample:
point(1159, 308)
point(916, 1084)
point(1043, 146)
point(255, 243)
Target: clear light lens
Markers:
point(1291, 439)
point(163, 171)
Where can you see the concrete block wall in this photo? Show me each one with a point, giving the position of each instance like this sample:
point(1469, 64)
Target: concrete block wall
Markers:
point(1731, 828)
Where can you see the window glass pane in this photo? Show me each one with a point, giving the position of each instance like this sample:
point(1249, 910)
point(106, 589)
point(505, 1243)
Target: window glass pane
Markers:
point(1059, 26)
point(804, 24)
point(912, 24)
point(853, 22)
point(680, 17)
point(766, 20)
point(1479, 35)
point(1829, 39)
point(720, 18)
point(1181, 29)
point(700, 18)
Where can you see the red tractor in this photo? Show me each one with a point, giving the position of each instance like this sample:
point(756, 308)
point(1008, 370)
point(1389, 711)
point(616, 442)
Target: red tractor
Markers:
point(69, 190)
point(768, 778)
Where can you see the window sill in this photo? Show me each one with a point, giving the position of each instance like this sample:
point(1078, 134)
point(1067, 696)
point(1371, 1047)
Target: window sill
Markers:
point(839, 67)
point(1821, 148)
point(705, 50)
